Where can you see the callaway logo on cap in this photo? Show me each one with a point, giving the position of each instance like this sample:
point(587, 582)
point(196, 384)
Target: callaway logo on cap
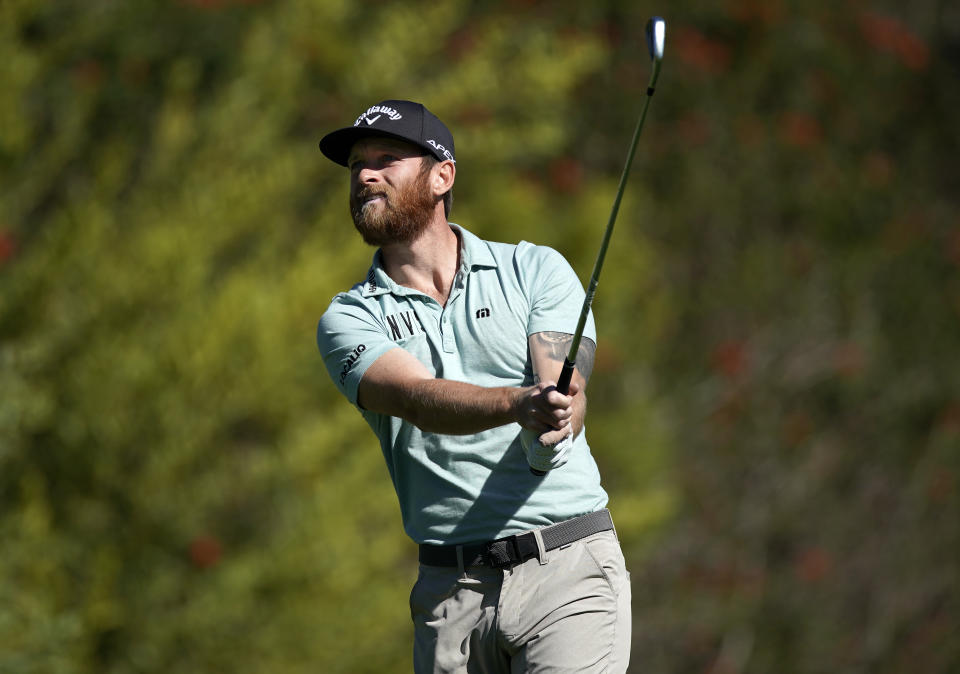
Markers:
point(404, 120)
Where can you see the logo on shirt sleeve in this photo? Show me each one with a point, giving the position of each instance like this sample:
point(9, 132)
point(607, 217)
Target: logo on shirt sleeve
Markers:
point(403, 325)
point(351, 361)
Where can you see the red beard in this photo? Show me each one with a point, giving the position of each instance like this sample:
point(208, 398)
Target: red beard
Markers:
point(401, 215)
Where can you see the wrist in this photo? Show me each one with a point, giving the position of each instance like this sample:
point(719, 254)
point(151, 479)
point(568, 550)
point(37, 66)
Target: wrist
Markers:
point(515, 401)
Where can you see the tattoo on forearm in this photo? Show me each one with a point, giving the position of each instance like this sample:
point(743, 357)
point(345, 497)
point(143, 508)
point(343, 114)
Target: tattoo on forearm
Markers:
point(585, 358)
point(555, 344)
point(557, 347)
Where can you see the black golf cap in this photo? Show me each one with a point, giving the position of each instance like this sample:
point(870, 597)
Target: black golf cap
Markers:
point(404, 120)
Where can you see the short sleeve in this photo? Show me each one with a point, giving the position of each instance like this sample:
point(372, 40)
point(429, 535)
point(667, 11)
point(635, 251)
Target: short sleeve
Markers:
point(350, 338)
point(553, 290)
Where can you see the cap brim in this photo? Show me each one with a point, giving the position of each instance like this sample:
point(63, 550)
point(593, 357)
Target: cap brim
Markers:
point(336, 145)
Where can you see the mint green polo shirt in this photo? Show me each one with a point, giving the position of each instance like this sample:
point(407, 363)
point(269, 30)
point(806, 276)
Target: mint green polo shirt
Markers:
point(462, 488)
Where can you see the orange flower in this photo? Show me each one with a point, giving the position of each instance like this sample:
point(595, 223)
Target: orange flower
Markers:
point(7, 246)
point(949, 420)
point(205, 552)
point(730, 358)
point(460, 43)
point(757, 11)
point(700, 52)
point(88, 74)
point(800, 129)
point(566, 175)
point(813, 564)
point(887, 34)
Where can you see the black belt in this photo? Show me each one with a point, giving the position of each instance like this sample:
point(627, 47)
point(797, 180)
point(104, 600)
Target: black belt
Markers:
point(511, 550)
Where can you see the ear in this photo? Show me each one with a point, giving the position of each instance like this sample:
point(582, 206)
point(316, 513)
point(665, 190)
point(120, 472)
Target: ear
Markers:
point(444, 174)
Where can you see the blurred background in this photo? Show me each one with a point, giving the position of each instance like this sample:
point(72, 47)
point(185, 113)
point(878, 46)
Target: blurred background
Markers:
point(776, 401)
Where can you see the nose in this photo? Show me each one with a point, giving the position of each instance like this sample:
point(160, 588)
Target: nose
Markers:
point(367, 175)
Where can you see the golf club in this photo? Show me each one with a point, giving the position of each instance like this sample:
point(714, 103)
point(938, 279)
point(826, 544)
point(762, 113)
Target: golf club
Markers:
point(656, 28)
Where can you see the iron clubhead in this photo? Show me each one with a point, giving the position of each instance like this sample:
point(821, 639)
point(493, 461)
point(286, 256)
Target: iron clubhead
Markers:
point(656, 29)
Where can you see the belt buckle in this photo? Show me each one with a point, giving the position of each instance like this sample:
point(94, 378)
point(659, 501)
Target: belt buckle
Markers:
point(502, 553)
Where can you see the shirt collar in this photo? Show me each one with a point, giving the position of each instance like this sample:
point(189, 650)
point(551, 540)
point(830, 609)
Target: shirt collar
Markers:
point(474, 253)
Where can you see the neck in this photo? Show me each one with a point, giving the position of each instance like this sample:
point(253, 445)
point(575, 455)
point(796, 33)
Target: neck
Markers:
point(429, 263)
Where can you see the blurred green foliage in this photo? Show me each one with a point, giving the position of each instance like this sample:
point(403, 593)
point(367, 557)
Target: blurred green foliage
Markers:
point(776, 399)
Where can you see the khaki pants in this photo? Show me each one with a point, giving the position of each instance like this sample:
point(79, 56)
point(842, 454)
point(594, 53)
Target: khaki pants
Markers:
point(566, 612)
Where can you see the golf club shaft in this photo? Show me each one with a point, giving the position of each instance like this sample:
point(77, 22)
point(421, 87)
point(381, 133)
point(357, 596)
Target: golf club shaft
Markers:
point(655, 35)
point(563, 383)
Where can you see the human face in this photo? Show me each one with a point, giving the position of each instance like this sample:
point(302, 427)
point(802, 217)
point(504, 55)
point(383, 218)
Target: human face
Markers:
point(390, 196)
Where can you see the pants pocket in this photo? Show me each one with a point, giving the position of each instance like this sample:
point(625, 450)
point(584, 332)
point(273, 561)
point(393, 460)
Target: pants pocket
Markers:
point(605, 551)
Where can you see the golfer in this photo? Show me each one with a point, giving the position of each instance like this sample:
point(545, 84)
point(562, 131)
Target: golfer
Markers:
point(449, 347)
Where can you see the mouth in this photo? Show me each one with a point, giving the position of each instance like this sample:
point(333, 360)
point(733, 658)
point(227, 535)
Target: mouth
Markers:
point(364, 200)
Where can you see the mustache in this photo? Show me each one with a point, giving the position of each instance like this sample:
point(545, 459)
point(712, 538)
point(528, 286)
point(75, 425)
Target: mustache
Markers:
point(361, 194)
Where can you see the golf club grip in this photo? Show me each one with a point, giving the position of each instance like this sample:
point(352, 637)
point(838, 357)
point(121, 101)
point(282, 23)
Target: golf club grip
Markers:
point(563, 385)
point(566, 374)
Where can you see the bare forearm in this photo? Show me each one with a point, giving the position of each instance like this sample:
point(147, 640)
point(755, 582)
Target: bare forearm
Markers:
point(579, 413)
point(398, 385)
point(548, 351)
point(459, 408)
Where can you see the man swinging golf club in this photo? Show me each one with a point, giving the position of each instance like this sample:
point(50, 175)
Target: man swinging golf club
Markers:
point(450, 348)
